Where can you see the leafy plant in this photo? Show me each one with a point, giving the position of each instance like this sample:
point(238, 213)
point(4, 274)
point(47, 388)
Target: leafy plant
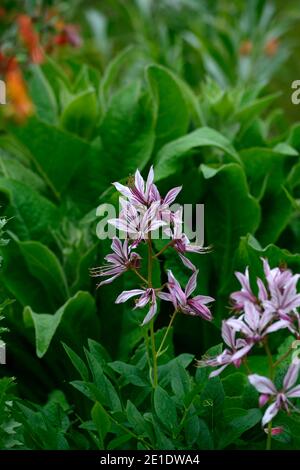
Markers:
point(188, 90)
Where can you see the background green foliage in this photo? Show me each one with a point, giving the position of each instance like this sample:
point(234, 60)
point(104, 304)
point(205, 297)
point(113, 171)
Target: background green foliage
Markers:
point(163, 83)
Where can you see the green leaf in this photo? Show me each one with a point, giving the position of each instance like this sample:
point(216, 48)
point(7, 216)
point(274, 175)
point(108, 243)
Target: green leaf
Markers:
point(249, 253)
point(44, 265)
point(180, 381)
point(237, 421)
point(192, 426)
point(78, 309)
point(234, 384)
point(102, 422)
point(77, 362)
point(80, 116)
point(130, 374)
point(277, 212)
point(118, 442)
point(24, 287)
point(172, 113)
point(231, 212)
point(33, 214)
point(171, 157)
point(162, 441)
point(42, 95)
point(254, 108)
point(56, 153)
point(165, 409)
point(127, 132)
point(266, 169)
point(112, 71)
point(212, 397)
point(165, 370)
point(205, 440)
point(137, 421)
point(13, 169)
point(105, 389)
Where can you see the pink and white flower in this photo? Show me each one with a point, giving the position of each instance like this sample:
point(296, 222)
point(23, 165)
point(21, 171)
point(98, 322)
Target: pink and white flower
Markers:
point(233, 354)
point(255, 325)
point(280, 398)
point(144, 193)
point(180, 241)
point(195, 306)
point(145, 296)
point(245, 294)
point(137, 225)
point(122, 259)
point(284, 299)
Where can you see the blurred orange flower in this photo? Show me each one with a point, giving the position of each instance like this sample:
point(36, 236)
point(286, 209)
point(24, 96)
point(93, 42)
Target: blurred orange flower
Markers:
point(30, 39)
point(246, 47)
point(18, 97)
point(271, 47)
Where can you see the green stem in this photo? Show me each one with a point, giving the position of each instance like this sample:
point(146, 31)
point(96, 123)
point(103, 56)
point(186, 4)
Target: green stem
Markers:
point(146, 336)
point(163, 249)
point(181, 424)
point(271, 372)
point(283, 357)
point(150, 263)
point(270, 359)
point(166, 333)
point(269, 438)
point(139, 275)
point(245, 362)
point(154, 356)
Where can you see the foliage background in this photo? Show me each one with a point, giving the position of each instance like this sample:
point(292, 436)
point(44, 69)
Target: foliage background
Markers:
point(169, 83)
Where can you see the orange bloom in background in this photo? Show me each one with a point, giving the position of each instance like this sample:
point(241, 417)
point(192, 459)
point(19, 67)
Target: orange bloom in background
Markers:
point(271, 47)
point(2, 12)
point(18, 97)
point(246, 47)
point(30, 39)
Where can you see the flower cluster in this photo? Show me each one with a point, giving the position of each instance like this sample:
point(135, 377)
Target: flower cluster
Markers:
point(273, 308)
point(144, 210)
